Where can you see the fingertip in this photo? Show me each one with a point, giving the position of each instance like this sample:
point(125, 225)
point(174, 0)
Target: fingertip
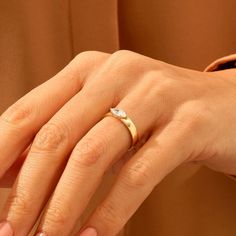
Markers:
point(6, 229)
point(89, 232)
point(41, 234)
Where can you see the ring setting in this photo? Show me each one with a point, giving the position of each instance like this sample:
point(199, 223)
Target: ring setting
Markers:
point(129, 124)
point(118, 112)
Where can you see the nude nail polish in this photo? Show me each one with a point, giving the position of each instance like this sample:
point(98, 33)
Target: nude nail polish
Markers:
point(6, 229)
point(89, 232)
point(39, 234)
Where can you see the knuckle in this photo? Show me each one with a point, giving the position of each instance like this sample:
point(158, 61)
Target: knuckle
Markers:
point(192, 118)
point(89, 151)
point(167, 87)
point(19, 113)
point(126, 62)
point(154, 76)
point(107, 212)
point(194, 122)
point(165, 84)
point(86, 63)
point(121, 53)
point(87, 56)
point(137, 176)
point(56, 214)
point(199, 115)
point(119, 58)
point(18, 203)
point(50, 138)
point(88, 53)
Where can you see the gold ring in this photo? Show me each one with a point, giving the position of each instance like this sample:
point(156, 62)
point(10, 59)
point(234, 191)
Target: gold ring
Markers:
point(122, 116)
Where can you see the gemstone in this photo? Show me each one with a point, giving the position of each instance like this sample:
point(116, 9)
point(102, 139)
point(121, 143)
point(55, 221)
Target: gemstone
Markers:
point(118, 112)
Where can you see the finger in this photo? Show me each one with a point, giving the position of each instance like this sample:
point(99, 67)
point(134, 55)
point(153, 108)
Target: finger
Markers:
point(158, 157)
point(46, 160)
point(117, 166)
point(48, 156)
point(104, 144)
point(20, 123)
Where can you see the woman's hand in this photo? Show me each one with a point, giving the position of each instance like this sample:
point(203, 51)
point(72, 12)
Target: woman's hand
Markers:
point(181, 116)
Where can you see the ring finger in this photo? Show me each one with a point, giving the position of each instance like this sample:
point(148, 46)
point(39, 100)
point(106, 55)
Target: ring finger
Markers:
point(161, 154)
point(104, 144)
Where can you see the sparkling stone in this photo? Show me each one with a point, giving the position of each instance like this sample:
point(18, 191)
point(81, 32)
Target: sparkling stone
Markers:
point(118, 112)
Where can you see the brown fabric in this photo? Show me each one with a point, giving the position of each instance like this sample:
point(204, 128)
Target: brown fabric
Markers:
point(38, 38)
point(227, 62)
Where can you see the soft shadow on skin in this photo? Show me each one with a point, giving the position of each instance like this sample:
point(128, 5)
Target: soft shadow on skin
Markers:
point(10, 176)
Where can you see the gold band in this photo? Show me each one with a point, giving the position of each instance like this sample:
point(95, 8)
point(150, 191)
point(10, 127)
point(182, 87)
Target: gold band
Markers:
point(121, 115)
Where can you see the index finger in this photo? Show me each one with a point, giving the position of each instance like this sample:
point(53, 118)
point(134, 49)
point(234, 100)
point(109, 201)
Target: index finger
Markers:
point(20, 123)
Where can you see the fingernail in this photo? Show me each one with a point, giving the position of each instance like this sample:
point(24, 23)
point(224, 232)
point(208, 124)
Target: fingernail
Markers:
point(6, 229)
point(89, 232)
point(39, 234)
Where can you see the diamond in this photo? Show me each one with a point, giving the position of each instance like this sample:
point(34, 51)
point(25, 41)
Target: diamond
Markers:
point(118, 113)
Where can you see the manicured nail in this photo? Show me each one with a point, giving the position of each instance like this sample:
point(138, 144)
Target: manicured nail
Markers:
point(6, 229)
point(39, 234)
point(89, 232)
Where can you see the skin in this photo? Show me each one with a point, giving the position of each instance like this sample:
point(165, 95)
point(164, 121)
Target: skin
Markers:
point(58, 131)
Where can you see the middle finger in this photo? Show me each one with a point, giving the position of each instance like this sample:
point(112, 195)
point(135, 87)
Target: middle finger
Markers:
point(47, 157)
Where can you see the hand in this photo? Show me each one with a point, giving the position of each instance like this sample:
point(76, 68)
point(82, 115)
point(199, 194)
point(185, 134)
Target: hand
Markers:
point(181, 116)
